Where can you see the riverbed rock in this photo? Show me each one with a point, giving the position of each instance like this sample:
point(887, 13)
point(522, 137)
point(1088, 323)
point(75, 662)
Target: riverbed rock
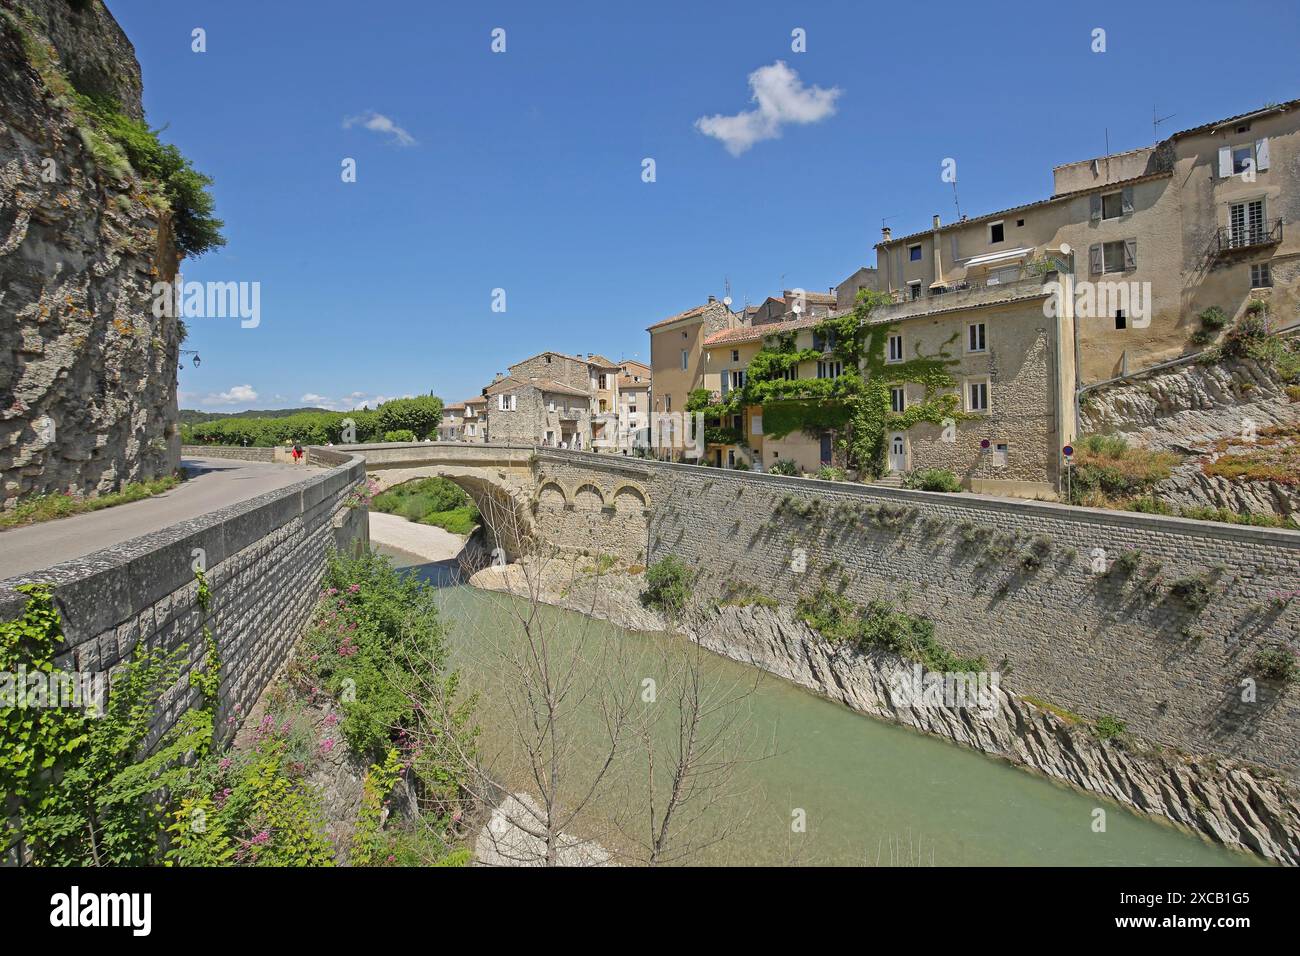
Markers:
point(509, 838)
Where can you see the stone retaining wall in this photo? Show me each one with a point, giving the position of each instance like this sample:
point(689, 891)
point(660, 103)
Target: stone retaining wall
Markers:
point(1119, 644)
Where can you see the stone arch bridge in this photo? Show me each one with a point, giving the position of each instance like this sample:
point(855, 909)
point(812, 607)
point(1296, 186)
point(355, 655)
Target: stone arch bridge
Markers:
point(577, 502)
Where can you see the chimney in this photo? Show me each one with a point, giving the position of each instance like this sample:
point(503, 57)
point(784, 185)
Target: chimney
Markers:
point(886, 233)
point(712, 299)
point(936, 220)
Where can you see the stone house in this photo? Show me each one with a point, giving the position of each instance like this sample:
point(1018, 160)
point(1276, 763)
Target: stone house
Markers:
point(450, 427)
point(538, 411)
point(634, 386)
point(474, 423)
point(1154, 236)
point(677, 365)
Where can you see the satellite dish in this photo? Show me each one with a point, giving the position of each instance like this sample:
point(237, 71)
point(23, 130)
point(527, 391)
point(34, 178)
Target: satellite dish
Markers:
point(1065, 249)
point(797, 308)
point(726, 300)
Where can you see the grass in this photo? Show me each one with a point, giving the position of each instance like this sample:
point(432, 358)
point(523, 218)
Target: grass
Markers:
point(432, 501)
point(1069, 716)
point(49, 507)
point(1274, 457)
point(932, 479)
point(1108, 470)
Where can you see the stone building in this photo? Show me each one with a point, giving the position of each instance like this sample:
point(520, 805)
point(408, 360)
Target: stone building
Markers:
point(1154, 235)
point(474, 424)
point(451, 425)
point(677, 363)
point(634, 387)
point(538, 411)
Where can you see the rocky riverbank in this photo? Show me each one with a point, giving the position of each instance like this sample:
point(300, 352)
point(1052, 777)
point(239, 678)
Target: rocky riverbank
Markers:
point(1238, 806)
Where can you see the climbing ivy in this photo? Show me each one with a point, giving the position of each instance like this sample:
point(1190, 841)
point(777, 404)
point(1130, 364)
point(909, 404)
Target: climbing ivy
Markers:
point(856, 405)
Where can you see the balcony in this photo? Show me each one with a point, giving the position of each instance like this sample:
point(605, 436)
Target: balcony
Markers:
point(568, 415)
point(1252, 235)
point(966, 292)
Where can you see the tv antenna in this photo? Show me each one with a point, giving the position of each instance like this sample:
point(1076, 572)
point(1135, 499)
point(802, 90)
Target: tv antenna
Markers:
point(1156, 120)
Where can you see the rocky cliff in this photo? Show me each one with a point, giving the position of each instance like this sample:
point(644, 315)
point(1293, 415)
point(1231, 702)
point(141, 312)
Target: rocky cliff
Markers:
point(87, 372)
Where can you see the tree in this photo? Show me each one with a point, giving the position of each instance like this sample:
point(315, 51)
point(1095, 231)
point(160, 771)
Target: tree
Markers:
point(419, 415)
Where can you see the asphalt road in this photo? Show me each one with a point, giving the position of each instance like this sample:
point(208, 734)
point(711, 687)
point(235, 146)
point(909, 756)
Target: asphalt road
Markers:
point(213, 483)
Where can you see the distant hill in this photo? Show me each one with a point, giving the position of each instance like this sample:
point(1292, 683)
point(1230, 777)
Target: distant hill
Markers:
point(191, 417)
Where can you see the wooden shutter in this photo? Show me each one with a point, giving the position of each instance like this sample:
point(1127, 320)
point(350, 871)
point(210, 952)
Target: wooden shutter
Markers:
point(1261, 154)
point(1130, 253)
point(1225, 162)
point(1126, 201)
point(1094, 258)
point(1094, 207)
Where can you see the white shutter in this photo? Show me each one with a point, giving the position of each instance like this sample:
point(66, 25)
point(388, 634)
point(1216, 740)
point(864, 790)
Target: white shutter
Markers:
point(1225, 162)
point(501, 402)
point(756, 425)
point(1261, 154)
point(514, 402)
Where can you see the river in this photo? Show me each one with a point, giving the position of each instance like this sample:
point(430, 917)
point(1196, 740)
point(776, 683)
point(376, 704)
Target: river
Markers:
point(867, 792)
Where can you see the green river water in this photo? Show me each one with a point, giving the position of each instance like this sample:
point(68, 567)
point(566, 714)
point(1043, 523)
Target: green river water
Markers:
point(872, 793)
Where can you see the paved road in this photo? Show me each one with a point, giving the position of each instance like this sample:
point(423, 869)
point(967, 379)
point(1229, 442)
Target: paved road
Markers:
point(213, 483)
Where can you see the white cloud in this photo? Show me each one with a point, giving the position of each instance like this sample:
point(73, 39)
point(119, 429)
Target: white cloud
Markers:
point(237, 393)
point(379, 123)
point(781, 97)
point(349, 402)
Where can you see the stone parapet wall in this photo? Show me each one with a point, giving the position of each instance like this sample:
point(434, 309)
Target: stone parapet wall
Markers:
point(1096, 644)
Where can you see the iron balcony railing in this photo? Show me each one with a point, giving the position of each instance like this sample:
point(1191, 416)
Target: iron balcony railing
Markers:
point(1265, 232)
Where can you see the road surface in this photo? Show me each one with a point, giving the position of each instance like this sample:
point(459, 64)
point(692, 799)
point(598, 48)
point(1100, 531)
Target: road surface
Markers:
point(214, 483)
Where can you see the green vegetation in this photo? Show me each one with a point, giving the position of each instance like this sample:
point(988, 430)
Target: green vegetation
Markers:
point(831, 473)
point(1274, 456)
point(1233, 517)
point(182, 189)
point(744, 594)
point(856, 405)
point(400, 434)
point(1107, 727)
point(1107, 471)
point(420, 416)
point(668, 585)
point(1277, 664)
point(49, 507)
point(1069, 716)
point(932, 479)
point(783, 466)
point(880, 625)
point(1193, 591)
point(1213, 320)
point(434, 501)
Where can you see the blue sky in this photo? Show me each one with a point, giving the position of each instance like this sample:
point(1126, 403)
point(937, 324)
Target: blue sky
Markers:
point(523, 170)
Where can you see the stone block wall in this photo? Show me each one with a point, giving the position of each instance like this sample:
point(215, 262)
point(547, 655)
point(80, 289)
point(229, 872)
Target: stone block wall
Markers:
point(1115, 643)
point(264, 560)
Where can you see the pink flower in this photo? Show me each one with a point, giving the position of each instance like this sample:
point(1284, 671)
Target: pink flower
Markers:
point(225, 763)
point(354, 588)
point(327, 745)
point(331, 720)
point(262, 837)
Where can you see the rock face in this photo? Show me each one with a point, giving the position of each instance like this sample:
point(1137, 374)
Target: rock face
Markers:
point(1190, 404)
point(87, 373)
point(1235, 805)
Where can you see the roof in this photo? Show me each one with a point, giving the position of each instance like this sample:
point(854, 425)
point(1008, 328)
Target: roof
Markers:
point(823, 298)
point(1211, 127)
point(510, 383)
point(601, 360)
point(630, 382)
point(688, 314)
point(756, 333)
point(475, 401)
point(633, 362)
point(453, 406)
point(973, 220)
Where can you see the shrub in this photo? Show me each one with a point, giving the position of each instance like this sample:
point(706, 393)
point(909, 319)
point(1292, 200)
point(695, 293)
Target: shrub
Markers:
point(1275, 663)
point(400, 434)
point(1107, 727)
point(740, 465)
point(1193, 591)
point(1107, 468)
point(1252, 327)
point(1127, 563)
point(420, 416)
point(787, 466)
point(457, 520)
point(831, 473)
point(1213, 318)
point(668, 585)
point(932, 479)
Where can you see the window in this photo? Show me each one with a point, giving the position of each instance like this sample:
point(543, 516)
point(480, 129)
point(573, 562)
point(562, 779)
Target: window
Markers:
point(895, 348)
point(914, 253)
point(1000, 455)
point(514, 402)
point(631, 409)
point(736, 422)
point(737, 378)
point(685, 358)
point(996, 231)
point(548, 360)
point(791, 373)
point(830, 368)
point(1111, 205)
point(1246, 223)
point(550, 405)
point(731, 458)
point(1247, 158)
point(603, 383)
point(1020, 223)
point(1112, 257)
point(897, 399)
point(1243, 158)
point(668, 403)
point(756, 425)
point(550, 438)
point(501, 402)
point(735, 355)
point(975, 337)
point(1121, 320)
point(1261, 277)
point(914, 289)
point(823, 343)
point(977, 395)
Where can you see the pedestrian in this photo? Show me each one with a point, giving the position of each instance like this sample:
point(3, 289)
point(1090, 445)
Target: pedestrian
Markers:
point(297, 452)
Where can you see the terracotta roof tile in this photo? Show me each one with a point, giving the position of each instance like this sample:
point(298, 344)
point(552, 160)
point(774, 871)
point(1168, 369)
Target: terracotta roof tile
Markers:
point(756, 333)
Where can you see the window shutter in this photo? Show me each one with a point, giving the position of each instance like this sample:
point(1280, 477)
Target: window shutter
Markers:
point(1130, 253)
point(1126, 201)
point(1094, 258)
point(1094, 207)
point(514, 403)
point(1261, 154)
point(1225, 162)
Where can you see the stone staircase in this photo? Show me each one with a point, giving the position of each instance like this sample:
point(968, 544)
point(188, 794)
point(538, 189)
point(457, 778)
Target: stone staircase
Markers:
point(892, 480)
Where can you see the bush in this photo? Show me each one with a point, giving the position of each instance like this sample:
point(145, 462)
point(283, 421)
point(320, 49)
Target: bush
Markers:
point(831, 473)
point(783, 466)
point(1213, 318)
point(400, 434)
point(1106, 468)
point(1107, 727)
point(1275, 663)
point(432, 501)
point(1251, 328)
point(932, 479)
point(668, 585)
point(420, 416)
